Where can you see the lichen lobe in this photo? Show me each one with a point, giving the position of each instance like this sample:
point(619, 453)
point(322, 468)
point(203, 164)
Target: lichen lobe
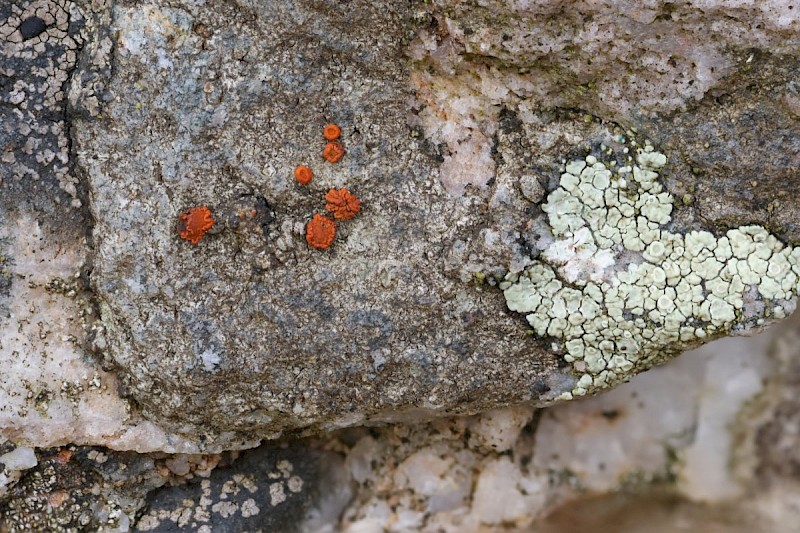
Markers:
point(615, 318)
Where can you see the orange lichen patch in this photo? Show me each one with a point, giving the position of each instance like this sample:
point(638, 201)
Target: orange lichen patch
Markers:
point(303, 174)
point(63, 456)
point(331, 132)
point(320, 232)
point(333, 151)
point(194, 223)
point(56, 499)
point(244, 215)
point(342, 204)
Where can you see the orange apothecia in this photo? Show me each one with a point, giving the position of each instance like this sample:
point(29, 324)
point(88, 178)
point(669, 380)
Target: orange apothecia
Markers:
point(194, 223)
point(63, 456)
point(331, 132)
point(333, 151)
point(303, 174)
point(342, 204)
point(320, 232)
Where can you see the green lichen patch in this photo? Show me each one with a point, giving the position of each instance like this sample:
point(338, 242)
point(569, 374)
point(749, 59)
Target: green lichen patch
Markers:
point(623, 292)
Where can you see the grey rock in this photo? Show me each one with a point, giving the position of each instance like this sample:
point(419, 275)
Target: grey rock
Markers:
point(276, 487)
point(735, 154)
point(116, 117)
point(40, 43)
point(268, 334)
point(273, 488)
point(78, 489)
point(250, 333)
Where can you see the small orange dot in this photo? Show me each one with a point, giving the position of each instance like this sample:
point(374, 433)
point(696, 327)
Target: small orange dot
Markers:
point(320, 232)
point(63, 456)
point(333, 152)
point(331, 132)
point(342, 204)
point(303, 174)
point(194, 223)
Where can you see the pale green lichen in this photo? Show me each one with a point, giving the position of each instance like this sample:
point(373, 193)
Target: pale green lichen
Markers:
point(676, 290)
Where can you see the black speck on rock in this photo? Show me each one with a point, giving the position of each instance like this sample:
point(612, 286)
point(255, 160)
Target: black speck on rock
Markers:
point(31, 27)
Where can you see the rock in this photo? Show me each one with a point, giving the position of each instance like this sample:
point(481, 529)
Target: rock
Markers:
point(19, 459)
point(77, 489)
point(53, 391)
point(498, 430)
point(647, 436)
point(269, 335)
point(459, 122)
point(269, 489)
point(772, 421)
point(672, 436)
point(251, 334)
point(455, 136)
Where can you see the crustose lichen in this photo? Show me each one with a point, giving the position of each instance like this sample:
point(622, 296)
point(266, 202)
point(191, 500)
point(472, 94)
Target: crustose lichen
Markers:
point(622, 293)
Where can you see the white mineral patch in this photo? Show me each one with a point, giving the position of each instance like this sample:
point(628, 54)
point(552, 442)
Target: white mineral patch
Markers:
point(498, 430)
point(733, 374)
point(136, 33)
point(423, 472)
point(504, 494)
point(51, 392)
point(20, 458)
point(470, 163)
point(210, 360)
point(578, 258)
point(675, 421)
point(465, 124)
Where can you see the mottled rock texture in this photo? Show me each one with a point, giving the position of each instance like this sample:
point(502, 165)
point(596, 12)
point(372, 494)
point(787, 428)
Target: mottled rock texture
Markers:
point(251, 331)
point(713, 426)
point(457, 119)
point(269, 489)
point(77, 489)
point(52, 391)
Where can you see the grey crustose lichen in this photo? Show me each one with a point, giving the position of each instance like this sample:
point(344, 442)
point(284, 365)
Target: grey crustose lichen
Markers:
point(623, 293)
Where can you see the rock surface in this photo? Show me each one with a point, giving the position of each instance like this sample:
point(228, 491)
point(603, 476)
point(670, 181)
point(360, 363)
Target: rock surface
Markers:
point(457, 126)
point(269, 489)
point(52, 390)
point(454, 134)
point(459, 120)
point(252, 333)
point(679, 434)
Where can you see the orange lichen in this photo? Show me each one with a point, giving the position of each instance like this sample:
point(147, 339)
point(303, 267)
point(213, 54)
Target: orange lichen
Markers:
point(331, 132)
point(320, 232)
point(63, 456)
point(333, 151)
point(57, 498)
point(342, 204)
point(303, 174)
point(194, 223)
